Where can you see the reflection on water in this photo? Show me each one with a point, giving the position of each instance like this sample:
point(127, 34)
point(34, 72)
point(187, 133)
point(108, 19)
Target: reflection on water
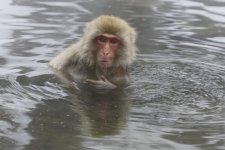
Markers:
point(176, 98)
point(103, 114)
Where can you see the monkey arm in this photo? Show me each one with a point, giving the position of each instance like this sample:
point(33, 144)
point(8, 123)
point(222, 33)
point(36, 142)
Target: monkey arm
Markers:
point(65, 57)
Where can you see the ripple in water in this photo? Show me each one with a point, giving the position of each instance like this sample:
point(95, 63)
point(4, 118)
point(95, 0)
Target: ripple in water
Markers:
point(175, 100)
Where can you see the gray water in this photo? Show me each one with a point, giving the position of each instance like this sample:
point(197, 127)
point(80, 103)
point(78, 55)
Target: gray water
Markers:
point(176, 99)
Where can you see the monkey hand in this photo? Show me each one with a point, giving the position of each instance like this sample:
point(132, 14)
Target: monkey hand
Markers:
point(103, 83)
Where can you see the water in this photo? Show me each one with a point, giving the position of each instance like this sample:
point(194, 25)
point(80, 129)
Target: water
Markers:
point(175, 100)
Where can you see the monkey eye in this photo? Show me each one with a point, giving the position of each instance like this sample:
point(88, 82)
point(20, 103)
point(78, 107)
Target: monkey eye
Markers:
point(114, 41)
point(102, 39)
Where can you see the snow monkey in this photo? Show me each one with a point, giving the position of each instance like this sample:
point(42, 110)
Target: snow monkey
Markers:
point(102, 56)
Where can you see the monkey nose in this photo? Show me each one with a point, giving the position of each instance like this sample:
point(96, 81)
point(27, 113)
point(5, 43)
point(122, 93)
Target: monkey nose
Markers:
point(106, 51)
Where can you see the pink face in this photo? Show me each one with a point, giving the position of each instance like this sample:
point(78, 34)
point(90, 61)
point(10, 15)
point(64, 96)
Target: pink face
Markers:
point(107, 45)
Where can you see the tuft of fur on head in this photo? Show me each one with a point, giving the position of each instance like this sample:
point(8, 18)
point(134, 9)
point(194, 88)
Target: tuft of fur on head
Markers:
point(111, 25)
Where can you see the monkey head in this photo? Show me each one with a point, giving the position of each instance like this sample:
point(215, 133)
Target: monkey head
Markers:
point(108, 41)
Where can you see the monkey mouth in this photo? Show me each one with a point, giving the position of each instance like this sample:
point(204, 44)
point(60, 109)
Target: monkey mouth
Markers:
point(105, 63)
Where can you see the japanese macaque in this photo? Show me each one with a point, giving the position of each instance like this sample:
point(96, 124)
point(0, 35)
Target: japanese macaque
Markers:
point(102, 56)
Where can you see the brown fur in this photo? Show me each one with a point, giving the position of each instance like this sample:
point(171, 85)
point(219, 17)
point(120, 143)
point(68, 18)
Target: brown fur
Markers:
point(79, 61)
point(83, 52)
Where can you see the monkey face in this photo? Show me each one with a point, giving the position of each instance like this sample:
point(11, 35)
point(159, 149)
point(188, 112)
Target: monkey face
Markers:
point(107, 46)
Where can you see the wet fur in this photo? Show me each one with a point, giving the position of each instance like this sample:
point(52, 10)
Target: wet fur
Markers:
point(83, 52)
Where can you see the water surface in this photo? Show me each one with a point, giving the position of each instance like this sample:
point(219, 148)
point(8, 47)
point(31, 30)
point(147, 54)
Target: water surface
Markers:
point(176, 99)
